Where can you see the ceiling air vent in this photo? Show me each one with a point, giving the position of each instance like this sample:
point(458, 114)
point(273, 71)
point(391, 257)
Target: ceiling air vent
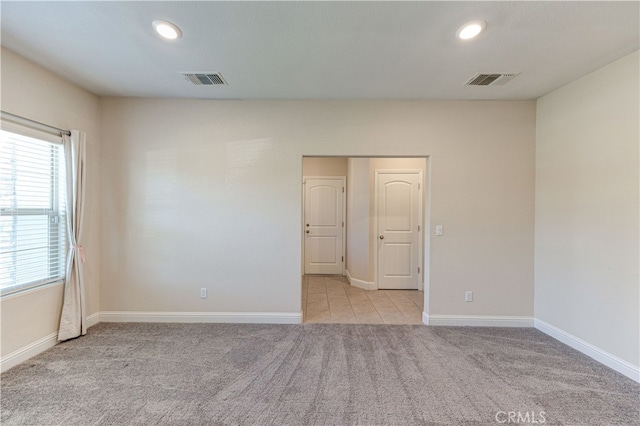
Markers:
point(204, 79)
point(486, 79)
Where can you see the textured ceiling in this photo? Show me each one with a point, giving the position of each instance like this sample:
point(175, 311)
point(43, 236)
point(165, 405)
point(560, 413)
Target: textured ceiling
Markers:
point(321, 50)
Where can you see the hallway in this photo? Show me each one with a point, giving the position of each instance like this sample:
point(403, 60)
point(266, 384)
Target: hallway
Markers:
point(331, 299)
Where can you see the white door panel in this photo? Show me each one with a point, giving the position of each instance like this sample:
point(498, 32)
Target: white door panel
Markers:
point(398, 198)
point(395, 258)
point(323, 204)
point(322, 250)
point(323, 225)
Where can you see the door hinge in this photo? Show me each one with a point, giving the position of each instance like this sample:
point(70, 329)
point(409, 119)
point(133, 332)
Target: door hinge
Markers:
point(343, 258)
point(418, 187)
point(418, 269)
point(418, 228)
point(343, 189)
point(343, 224)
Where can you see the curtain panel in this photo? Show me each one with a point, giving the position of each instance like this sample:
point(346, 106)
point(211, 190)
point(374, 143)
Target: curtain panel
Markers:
point(73, 322)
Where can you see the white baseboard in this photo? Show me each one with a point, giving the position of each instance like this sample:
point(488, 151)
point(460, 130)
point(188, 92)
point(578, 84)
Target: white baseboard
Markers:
point(208, 317)
point(477, 320)
point(93, 319)
point(365, 285)
point(39, 346)
point(26, 352)
point(603, 357)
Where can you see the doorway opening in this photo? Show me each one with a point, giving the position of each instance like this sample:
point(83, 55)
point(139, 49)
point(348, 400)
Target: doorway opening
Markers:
point(364, 245)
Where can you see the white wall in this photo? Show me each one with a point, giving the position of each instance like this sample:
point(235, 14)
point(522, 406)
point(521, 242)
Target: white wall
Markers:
point(207, 194)
point(358, 219)
point(587, 209)
point(31, 92)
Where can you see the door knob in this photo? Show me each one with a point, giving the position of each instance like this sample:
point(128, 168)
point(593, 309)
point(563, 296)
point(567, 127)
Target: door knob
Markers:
point(382, 237)
point(307, 231)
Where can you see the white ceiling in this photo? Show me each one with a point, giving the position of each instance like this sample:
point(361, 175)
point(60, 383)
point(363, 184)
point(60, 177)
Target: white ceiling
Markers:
point(321, 50)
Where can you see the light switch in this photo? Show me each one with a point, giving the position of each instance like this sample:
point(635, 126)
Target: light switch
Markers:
point(439, 230)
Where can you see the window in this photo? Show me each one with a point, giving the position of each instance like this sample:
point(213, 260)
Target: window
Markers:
point(32, 212)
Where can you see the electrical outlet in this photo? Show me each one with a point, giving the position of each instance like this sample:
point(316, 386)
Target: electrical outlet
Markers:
point(439, 230)
point(203, 293)
point(468, 296)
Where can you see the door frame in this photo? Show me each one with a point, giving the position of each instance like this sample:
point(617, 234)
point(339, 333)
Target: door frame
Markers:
point(421, 233)
point(344, 216)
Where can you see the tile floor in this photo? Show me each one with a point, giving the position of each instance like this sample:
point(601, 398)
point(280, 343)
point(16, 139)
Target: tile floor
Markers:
point(332, 299)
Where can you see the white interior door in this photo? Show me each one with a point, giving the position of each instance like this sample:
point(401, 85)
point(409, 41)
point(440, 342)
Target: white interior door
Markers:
point(323, 225)
point(398, 235)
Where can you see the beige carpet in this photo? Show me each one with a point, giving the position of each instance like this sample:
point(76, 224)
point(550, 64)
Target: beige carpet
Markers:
point(318, 374)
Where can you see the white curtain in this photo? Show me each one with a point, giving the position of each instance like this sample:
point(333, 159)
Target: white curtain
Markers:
point(73, 322)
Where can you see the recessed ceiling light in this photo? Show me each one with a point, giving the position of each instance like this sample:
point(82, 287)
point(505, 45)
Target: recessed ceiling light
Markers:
point(167, 29)
point(470, 30)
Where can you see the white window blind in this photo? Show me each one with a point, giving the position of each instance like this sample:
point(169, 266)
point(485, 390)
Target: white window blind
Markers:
point(32, 212)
